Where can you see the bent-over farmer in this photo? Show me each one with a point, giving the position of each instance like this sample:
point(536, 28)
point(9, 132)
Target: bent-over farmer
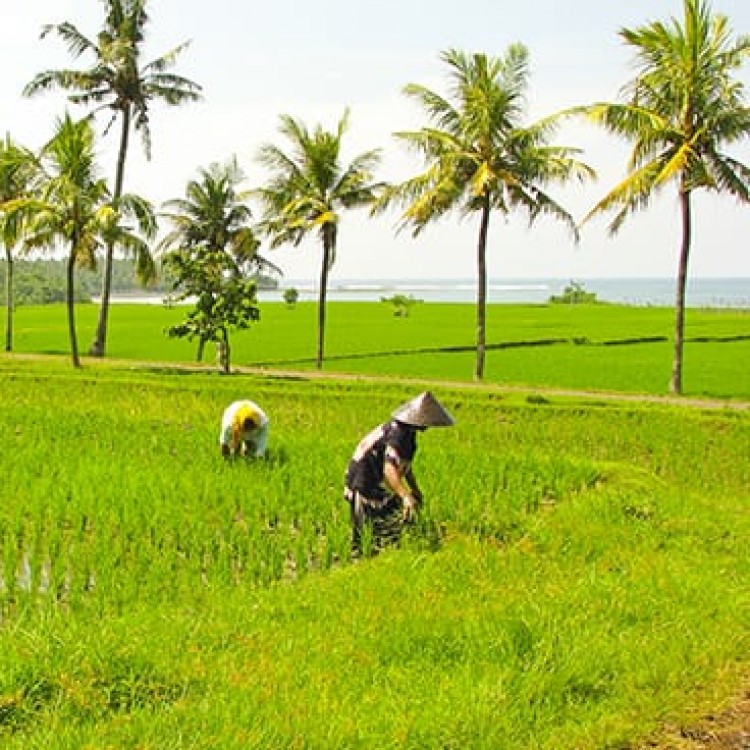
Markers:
point(380, 484)
point(244, 430)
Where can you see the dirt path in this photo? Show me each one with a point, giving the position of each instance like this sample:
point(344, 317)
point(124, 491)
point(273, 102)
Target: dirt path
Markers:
point(546, 391)
point(706, 403)
point(531, 390)
point(727, 730)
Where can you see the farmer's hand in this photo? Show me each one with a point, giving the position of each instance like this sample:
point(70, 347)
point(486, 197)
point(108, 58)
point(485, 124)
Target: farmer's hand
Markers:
point(410, 508)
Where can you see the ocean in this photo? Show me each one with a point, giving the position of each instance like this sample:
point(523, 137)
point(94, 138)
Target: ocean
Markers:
point(655, 292)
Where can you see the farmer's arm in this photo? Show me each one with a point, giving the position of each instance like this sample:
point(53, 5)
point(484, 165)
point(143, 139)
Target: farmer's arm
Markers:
point(395, 480)
point(411, 480)
point(394, 477)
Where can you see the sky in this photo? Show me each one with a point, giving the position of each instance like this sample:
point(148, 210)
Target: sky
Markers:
point(256, 61)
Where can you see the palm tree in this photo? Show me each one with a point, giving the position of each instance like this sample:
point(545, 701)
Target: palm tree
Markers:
point(307, 191)
point(17, 174)
point(117, 80)
point(214, 213)
point(214, 221)
point(680, 111)
point(479, 157)
point(75, 208)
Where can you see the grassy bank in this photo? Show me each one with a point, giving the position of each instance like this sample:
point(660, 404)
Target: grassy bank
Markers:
point(576, 585)
point(601, 347)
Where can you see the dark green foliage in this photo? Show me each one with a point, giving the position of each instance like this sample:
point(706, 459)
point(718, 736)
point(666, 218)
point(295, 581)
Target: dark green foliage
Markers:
point(291, 296)
point(42, 282)
point(574, 294)
point(224, 299)
point(402, 304)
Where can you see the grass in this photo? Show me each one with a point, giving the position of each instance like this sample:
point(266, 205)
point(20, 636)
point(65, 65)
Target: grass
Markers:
point(579, 576)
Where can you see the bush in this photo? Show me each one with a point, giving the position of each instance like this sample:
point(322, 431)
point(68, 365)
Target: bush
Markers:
point(574, 294)
point(402, 304)
point(291, 295)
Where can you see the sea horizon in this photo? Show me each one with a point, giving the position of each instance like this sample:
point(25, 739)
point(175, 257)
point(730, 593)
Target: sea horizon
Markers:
point(733, 292)
point(702, 292)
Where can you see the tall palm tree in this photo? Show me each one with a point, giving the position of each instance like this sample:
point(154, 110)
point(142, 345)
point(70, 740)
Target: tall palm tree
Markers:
point(18, 169)
point(214, 213)
point(480, 158)
point(117, 80)
point(214, 221)
point(680, 111)
point(309, 188)
point(75, 207)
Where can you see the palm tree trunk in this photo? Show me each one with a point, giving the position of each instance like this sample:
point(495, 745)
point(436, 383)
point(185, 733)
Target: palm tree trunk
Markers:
point(99, 345)
point(675, 385)
point(327, 246)
point(482, 288)
point(8, 300)
point(71, 308)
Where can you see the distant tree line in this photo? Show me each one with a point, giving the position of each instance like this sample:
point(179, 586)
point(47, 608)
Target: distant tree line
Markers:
point(43, 282)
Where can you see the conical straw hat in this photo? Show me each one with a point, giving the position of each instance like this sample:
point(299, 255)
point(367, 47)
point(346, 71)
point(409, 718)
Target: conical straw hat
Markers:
point(423, 411)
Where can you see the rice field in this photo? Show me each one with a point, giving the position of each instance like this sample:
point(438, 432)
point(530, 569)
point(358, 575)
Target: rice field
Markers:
point(578, 576)
point(592, 347)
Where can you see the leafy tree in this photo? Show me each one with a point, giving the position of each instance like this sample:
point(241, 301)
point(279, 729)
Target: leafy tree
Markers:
point(291, 295)
point(211, 255)
point(224, 299)
point(18, 170)
point(479, 157)
point(119, 81)
point(680, 111)
point(308, 189)
point(75, 208)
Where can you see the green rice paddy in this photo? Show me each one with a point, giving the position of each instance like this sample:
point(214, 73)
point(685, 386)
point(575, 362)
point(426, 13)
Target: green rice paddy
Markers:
point(599, 347)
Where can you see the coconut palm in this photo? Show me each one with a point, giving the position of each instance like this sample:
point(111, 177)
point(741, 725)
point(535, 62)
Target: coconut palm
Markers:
point(309, 188)
point(215, 214)
point(480, 158)
point(118, 81)
point(213, 223)
point(17, 174)
point(681, 110)
point(75, 208)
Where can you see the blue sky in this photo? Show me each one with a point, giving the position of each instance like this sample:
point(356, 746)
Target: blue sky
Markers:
point(256, 61)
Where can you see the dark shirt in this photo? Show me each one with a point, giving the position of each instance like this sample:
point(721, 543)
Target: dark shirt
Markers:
point(393, 441)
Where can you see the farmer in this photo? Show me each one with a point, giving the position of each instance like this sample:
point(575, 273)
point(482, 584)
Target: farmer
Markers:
point(380, 485)
point(244, 430)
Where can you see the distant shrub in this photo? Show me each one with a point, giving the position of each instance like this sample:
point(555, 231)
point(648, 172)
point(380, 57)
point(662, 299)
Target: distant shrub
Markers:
point(535, 398)
point(574, 294)
point(291, 295)
point(402, 304)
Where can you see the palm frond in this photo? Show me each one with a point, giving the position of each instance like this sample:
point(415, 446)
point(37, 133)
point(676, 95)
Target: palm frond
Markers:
point(77, 43)
point(630, 195)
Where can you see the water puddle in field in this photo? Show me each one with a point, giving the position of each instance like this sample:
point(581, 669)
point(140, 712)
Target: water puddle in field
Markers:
point(30, 581)
point(24, 577)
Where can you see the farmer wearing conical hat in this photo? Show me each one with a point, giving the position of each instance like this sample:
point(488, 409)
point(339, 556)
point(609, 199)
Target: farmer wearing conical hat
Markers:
point(380, 484)
point(244, 430)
